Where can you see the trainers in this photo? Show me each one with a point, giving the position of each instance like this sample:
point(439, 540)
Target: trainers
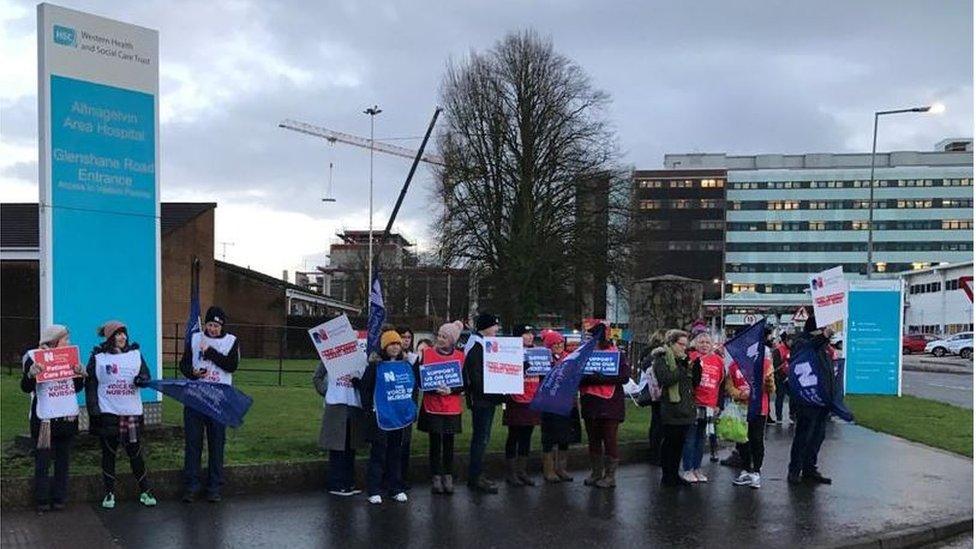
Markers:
point(147, 499)
point(344, 492)
point(744, 479)
point(700, 476)
point(688, 476)
point(401, 497)
point(375, 500)
point(109, 501)
point(353, 491)
point(756, 483)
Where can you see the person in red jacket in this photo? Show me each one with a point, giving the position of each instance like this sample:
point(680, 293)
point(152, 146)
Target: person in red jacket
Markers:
point(711, 366)
point(440, 411)
point(521, 421)
point(602, 406)
point(752, 451)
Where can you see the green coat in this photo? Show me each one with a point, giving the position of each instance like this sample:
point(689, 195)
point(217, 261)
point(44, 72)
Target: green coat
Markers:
point(682, 412)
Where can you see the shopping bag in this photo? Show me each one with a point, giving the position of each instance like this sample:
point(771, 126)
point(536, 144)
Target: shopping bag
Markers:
point(732, 424)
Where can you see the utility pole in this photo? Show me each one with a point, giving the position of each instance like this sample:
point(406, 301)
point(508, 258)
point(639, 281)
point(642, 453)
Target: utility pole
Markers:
point(372, 112)
point(223, 254)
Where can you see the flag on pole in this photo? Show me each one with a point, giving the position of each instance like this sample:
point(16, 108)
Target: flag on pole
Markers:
point(223, 403)
point(749, 352)
point(377, 315)
point(193, 318)
point(558, 390)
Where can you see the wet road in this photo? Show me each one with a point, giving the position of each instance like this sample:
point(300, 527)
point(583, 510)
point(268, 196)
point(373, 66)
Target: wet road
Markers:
point(954, 389)
point(881, 483)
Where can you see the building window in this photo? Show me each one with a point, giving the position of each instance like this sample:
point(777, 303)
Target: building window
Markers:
point(650, 204)
point(881, 266)
point(739, 288)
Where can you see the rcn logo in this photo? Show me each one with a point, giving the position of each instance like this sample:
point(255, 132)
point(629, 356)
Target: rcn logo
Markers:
point(491, 346)
point(112, 369)
point(389, 377)
point(64, 36)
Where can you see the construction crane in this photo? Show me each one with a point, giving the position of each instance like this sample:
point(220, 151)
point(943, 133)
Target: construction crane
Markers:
point(333, 136)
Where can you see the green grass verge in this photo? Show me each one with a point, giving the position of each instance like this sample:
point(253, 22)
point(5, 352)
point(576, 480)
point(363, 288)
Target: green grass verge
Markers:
point(282, 425)
point(927, 421)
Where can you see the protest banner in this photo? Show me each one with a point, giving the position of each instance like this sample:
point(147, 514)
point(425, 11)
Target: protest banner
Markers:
point(503, 365)
point(603, 362)
point(539, 360)
point(338, 347)
point(57, 363)
point(829, 291)
point(440, 374)
point(393, 395)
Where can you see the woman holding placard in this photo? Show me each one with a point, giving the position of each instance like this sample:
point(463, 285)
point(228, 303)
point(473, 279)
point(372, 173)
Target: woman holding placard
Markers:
point(602, 404)
point(342, 429)
point(558, 432)
point(53, 420)
point(521, 420)
point(440, 412)
point(116, 370)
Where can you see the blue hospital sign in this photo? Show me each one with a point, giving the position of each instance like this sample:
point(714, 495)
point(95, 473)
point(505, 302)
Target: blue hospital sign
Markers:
point(873, 343)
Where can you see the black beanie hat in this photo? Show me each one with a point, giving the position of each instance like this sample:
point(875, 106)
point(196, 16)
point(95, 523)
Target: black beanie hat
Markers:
point(484, 321)
point(523, 329)
point(811, 324)
point(215, 314)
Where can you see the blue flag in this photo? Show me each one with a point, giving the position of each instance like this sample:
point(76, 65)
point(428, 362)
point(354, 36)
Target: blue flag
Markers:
point(393, 395)
point(558, 390)
point(749, 352)
point(377, 315)
point(809, 387)
point(223, 403)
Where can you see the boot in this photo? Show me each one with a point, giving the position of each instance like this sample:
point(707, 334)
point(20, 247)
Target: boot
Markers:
point(436, 485)
point(448, 482)
point(521, 471)
point(596, 470)
point(561, 472)
point(549, 467)
point(609, 479)
point(511, 478)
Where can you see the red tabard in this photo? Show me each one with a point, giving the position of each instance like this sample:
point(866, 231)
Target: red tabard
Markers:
point(741, 384)
point(706, 394)
point(448, 405)
point(602, 391)
point(529, 389)
point(784, 354)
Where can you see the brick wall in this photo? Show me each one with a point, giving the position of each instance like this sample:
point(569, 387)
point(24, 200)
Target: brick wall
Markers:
point(179, 247)
point(255, 311)
point(19, 308)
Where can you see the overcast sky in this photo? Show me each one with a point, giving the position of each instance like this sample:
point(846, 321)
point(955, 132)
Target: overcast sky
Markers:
point(704, 76)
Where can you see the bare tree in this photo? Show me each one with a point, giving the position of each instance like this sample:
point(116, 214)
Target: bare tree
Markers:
point(529, 177)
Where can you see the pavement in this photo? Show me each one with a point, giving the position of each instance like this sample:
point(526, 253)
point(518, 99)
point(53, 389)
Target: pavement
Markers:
point(882, 485)
point(949, 388)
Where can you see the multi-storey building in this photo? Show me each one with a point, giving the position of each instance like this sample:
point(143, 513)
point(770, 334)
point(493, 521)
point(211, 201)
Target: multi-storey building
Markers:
point(681, 224)
point(788, 216)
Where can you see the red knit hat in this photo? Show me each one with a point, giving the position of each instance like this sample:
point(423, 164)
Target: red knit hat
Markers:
point(551, 337)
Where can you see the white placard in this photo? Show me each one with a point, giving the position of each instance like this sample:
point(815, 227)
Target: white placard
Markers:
point(503, 365)
point(829, 291)
point(337, 345)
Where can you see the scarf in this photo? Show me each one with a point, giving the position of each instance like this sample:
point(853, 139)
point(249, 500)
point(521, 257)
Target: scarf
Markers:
point(674, 391)
point(127, 426)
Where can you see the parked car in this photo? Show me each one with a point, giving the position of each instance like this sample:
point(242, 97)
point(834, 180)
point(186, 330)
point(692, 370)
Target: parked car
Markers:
point(915, 343)
point(959, 344)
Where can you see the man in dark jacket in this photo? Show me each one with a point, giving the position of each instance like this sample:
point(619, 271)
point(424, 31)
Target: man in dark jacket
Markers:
point(482, 406)
point(811, 421)
point(210, 356)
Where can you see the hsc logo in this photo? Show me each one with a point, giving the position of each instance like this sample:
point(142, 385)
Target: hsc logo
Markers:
point(64, 36)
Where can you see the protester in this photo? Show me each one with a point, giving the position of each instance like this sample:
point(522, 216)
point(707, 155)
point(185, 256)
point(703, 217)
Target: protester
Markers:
point(423, 345)
point(811, 421)
point(751, 453)
point(406, 335)
point(440, 413)
point(558, 432)
point(115, 371)
point(53, 421)
point(211, 356)
point(343, 429)
point(710, 367)
point(521, 420)
point(781, 374)
point(677, 381)
point(602, 405)
point(384, 469)
point(654, 431)
point(482, 405)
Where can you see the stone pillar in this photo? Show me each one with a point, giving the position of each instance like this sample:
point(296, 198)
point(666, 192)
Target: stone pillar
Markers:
point(662, 303)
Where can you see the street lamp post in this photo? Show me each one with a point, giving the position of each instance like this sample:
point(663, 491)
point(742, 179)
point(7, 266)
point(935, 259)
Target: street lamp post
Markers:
point(721, 306)
point(935, 109)
point(372, 112)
